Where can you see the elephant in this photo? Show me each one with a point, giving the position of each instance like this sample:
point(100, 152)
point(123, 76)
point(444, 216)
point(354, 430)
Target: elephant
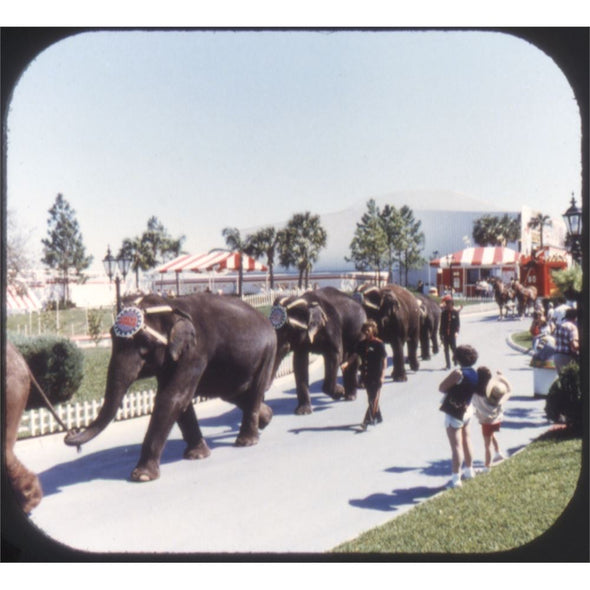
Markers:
point(325, 321)
point(25, 484)
point(397, 313)
point(430, 314)
point(202, 344)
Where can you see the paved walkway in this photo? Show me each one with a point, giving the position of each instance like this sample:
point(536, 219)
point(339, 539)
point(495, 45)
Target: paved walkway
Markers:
point(311, 483)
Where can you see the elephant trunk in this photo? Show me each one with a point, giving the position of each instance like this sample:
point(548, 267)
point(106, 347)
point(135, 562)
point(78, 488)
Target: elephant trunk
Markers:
point(108, 411)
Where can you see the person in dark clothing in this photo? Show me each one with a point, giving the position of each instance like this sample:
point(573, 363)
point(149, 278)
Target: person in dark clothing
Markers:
point(459, 387)
point(370, 353)
point(449, 329)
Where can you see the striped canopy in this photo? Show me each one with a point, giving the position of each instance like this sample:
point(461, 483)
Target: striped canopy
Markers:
point(21, 299)
point(479, 257)
point(215, 260)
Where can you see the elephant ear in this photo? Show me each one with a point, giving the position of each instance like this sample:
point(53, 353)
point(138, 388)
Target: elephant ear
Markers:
point(422, 308)
point(390, 302)
point(317, 320)
point(182, 337)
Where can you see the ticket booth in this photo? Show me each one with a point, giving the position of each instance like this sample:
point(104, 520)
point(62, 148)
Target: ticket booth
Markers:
point(536, 270)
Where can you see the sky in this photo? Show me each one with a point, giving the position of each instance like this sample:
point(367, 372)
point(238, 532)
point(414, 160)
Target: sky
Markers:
point(214, 129)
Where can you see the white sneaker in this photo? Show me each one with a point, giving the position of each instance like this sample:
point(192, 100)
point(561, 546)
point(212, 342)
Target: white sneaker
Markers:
point(483, 470)
point(454, 483)
point(468, 473)
point(499, 457)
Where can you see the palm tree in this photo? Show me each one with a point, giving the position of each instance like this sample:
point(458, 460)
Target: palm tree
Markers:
point(540, 221)
point(491, 230)
point(302, 241)
point(265, 242)
point(234, 241)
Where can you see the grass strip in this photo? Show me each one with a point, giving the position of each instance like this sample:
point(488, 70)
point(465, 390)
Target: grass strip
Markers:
point(510, 506)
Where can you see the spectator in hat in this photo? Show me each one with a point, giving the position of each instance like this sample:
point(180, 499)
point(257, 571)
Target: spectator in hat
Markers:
point(449, 329)
point(567, 344)
point(488, 402)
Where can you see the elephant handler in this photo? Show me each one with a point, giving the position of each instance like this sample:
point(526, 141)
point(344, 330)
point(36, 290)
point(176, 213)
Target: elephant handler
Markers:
point(449, 329)
point(370, 352)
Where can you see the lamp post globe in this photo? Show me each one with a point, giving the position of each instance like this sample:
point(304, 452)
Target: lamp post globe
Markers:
point(573, 222)
point(116, 267)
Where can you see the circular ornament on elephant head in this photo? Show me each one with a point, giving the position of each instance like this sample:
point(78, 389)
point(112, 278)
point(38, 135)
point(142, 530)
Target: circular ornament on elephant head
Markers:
point(278, 316)
point(129, 322)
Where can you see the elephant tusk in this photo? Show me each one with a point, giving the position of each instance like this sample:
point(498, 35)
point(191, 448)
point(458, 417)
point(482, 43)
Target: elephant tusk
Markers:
point(158, 309)
point(297, 303)
point(297, 323)
point(371, 290)
point(370, 304)
point(161, 338)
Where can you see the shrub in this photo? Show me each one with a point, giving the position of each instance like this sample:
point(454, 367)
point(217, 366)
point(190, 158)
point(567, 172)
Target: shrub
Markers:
point(95, 325)
point(56, 364)
point(564, 401)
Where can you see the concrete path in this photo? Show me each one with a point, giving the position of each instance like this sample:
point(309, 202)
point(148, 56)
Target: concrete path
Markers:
point(311, 483)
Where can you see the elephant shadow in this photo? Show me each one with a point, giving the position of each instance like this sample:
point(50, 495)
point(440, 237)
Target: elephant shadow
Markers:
point(117, 463)
point(320, 401)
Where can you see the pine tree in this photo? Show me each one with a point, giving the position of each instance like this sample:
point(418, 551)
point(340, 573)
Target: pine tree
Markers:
point(368, 248)
point(63, 249)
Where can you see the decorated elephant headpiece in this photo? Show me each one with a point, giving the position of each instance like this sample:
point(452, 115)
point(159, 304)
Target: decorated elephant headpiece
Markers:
point(284, 312)
point(131, 320)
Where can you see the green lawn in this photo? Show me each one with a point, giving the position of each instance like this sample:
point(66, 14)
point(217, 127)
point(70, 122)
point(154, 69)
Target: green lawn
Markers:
point(96, 361)
point(512, 505)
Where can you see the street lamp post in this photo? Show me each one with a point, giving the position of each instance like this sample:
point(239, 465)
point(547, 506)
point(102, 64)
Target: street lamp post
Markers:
point(117, 268)
point(573, 221)
point(433, 257)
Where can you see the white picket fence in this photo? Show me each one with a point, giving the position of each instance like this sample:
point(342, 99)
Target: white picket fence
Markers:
point(79, 415)
point(268, 298)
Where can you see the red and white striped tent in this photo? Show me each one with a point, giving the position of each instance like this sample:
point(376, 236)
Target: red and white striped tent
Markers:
point(478, 257)
point(218, 260)
point(19, 299)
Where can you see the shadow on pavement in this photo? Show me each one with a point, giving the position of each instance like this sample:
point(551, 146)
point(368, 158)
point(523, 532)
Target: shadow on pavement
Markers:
point(117, 463)
point(392, 502)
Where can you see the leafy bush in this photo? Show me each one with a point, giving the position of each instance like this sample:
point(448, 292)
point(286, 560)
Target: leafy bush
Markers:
point(56, 364)
point(569, 281)
point(95, 325)
point(564, 401)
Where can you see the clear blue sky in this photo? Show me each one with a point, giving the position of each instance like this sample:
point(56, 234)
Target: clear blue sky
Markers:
point(212, 129)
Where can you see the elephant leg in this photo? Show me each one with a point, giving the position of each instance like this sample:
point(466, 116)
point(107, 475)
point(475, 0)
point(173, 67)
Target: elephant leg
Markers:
point(434, 339)
point(301, 370)
point(25, 484)
point(399, 370)
point(349, 376)
point(425, 343)
point(264, 416)
point(330, 385)
point(250, 405)
point(196, 446)
point(166, 411)
point(413, 354)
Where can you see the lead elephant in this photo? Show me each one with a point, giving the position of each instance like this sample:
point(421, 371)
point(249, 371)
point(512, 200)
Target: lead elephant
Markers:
point(25, 484)
point(397, 313)
point(430, 319)
point(203, 344)
point(326, 322)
